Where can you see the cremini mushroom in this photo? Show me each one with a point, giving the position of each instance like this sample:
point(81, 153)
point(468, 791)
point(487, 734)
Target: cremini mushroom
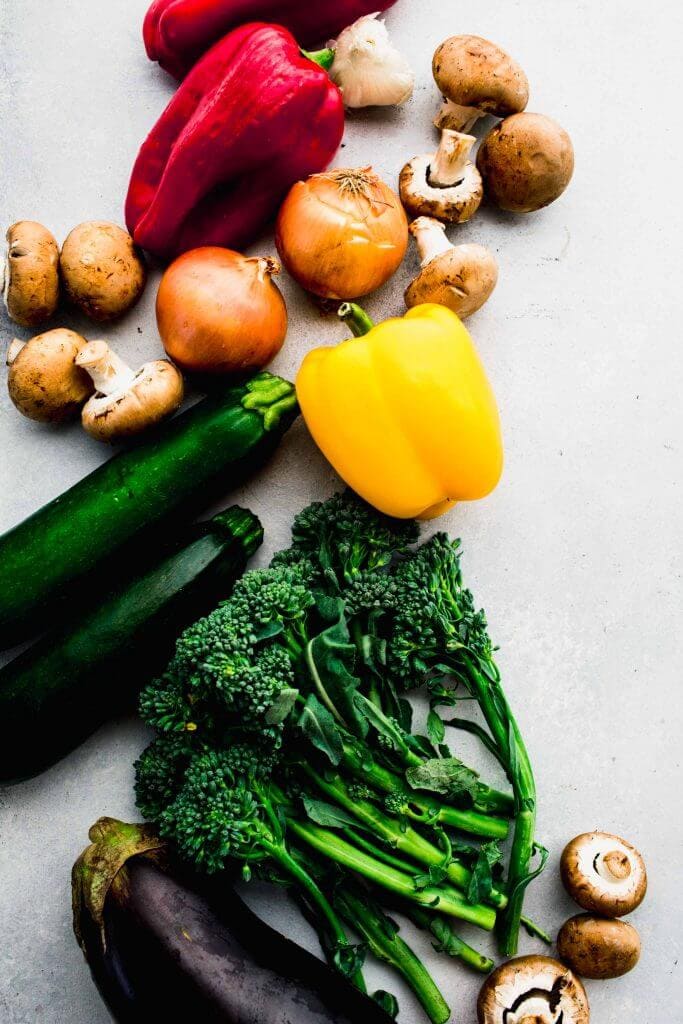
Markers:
point(43, 381)
point(102, 270)
point(445, 184)
point(31, 273)
point(604, 874)
point(532, 990)
point(597, 947)
point(476, 78)
point(126, 401)
point(526, 162)
point(460, 277)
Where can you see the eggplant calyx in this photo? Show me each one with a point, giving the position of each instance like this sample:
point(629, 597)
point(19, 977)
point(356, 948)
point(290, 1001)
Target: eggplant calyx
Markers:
point(113, 843)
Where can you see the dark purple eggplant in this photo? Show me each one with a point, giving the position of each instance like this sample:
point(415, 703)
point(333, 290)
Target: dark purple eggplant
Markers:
point(163, 946)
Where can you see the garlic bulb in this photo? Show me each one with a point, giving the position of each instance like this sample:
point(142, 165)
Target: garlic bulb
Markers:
point(369, 71)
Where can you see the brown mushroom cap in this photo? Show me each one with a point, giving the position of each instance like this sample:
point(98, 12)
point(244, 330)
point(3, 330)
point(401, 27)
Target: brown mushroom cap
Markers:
point(43, 381)
point(473, 72)
point(127, 402)
point(597, 947)
point(532, 990)
point(526, 162)
point(460, 277)
point(103, 271)
point(31, 289)
point(604, 874)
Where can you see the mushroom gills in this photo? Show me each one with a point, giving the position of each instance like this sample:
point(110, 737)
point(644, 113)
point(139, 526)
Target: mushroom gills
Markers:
point(603, 873)
point(126, 401)
point(532, 990)
point(445, 184)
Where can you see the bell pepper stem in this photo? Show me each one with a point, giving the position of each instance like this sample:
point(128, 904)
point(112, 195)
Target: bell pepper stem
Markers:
point(324, 58)
point(355, 318)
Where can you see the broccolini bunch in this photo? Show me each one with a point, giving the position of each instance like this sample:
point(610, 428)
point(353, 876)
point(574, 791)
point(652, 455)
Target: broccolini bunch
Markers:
point(285, 741)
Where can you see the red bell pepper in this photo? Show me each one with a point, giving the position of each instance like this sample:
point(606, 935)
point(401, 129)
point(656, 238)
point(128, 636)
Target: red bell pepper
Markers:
point(251, 118)
point(178, 32)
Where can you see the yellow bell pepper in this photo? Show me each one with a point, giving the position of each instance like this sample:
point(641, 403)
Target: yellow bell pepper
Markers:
point(404, 412)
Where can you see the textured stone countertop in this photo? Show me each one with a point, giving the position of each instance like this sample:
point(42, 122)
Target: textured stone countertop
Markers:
point(577, 555)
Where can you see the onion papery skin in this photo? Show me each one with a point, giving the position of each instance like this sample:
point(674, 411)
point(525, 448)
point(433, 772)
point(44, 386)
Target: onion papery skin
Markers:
point(219, 312)
point(342, 234)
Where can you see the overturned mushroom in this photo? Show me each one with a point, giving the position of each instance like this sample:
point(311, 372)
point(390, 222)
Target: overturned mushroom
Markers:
point(445, 184)
point(126, 401)
point(43, 381)
point(460, 277)
point(476, 78)
point(103, 271)
point(532, 990)
point(526, 162)
point(597, 947)
point(604, 874)
point(31, 282)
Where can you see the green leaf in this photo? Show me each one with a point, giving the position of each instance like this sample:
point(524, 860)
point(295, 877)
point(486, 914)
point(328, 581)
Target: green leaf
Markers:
point(435, 727)
point(349, 959)
point(387, 1001)
point(330, 658)
point(433, 876)
point(522, 882)
point(324, 813)
point(444, 775)
point(481, 883)
point(280, 708)
point(385, 726)
point(320, 728)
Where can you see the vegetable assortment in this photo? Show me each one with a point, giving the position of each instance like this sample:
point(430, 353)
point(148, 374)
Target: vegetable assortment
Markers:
point(177, 32)
point(285, 743)
point(54, 694)
point(112, 516)
point(252, 117)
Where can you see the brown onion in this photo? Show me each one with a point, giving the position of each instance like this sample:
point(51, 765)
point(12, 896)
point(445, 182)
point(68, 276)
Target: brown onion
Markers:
point(341, 234)
point(220, 312)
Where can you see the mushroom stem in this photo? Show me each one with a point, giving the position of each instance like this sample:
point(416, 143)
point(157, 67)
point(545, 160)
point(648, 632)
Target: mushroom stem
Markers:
point(108, 371)
point(448, 163)
point(13, 350)
point(430, 238)
point(616, 864)
point(456, 117)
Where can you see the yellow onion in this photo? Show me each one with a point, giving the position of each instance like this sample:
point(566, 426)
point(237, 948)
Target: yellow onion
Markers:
point(342, 234)
point(220, 312)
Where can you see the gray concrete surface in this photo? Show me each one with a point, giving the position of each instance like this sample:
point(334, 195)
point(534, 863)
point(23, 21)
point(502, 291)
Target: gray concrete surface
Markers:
point(577, 556)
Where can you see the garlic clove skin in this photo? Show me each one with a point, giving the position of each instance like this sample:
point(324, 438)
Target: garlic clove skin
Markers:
point(368, 69)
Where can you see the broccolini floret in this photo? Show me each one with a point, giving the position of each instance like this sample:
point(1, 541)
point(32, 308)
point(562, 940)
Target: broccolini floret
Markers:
point(344, 536)
point(159, 773)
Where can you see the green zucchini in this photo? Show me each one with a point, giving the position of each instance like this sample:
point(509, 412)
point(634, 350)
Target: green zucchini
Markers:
point(57, 692)
point(190, 461)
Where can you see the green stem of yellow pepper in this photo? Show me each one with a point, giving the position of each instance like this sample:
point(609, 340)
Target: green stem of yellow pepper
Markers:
point(356, 319)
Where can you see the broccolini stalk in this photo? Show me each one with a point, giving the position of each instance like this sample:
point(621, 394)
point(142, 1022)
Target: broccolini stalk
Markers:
point(399, 837)
point(448, 901)
point(437, 631)
point(361, 912)
point(446, 939)
point(420, 806)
